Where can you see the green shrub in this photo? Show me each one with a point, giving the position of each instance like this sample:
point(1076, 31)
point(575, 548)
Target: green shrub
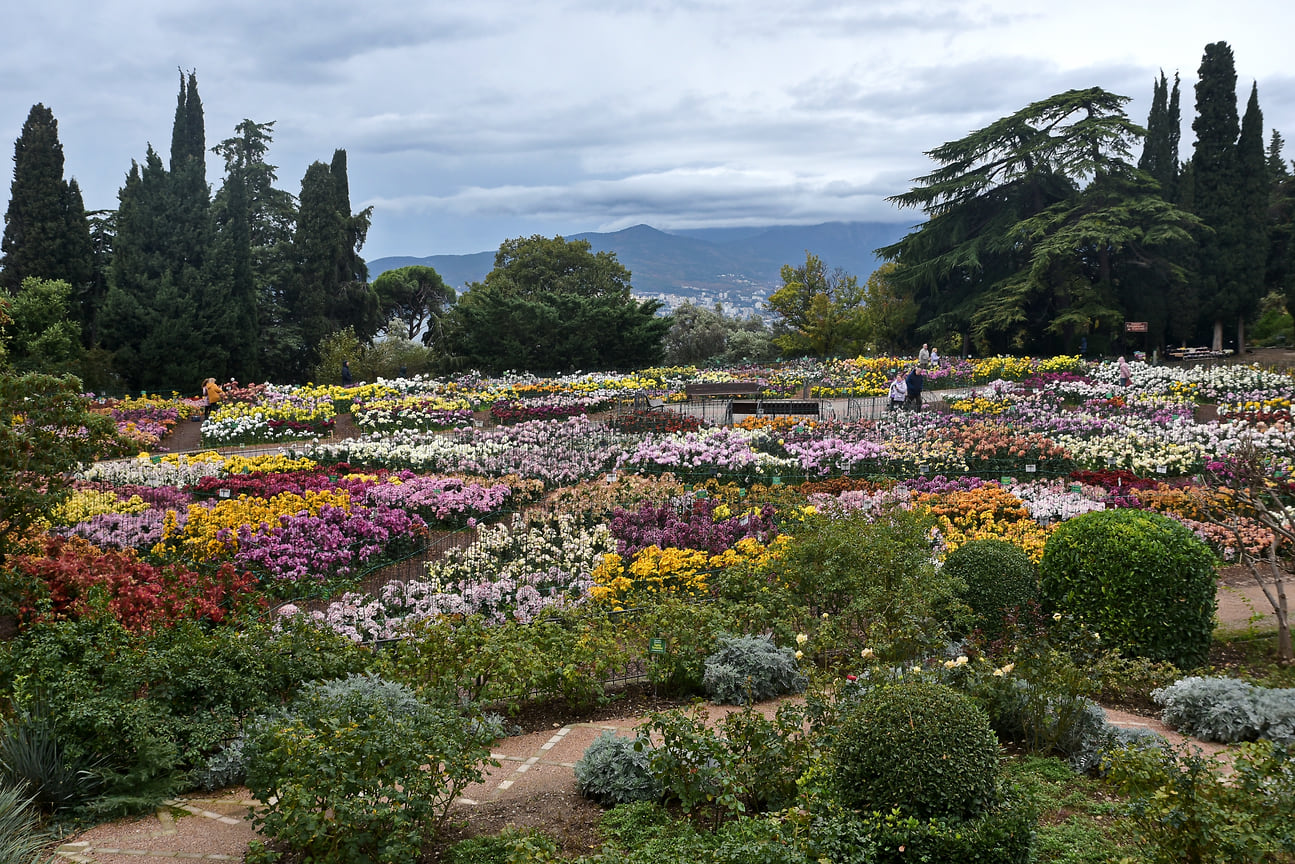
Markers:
point(873, 578)
point(1187, 809)
point(1142, 580)
point(611, 771)
point(917, 747)
point(360, 770)
point(144, 709)
point(746, 669)
point(21, 839)
point(999, 577)
point(506, 847)
point(743, 764)
point(1002, 835)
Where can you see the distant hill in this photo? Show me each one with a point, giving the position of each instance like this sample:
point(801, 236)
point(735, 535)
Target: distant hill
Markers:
point(736, 266)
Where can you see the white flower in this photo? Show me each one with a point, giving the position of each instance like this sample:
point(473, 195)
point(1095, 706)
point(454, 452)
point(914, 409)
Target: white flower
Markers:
point(799, 654)
point(801, 638)
point(867, 654)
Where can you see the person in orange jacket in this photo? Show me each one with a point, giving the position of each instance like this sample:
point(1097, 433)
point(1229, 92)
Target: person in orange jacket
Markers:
point(213, 394)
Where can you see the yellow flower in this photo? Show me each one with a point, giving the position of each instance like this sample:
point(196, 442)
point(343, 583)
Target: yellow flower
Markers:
point(799, 655)
point(801, 638)
point(867, 654)
point(1056, 616)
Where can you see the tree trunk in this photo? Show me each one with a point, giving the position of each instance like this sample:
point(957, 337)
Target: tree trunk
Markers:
point(1217, 344)
point(1241, 336)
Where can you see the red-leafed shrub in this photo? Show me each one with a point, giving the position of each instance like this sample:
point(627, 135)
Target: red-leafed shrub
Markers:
point(658, 422)
point(140, 595)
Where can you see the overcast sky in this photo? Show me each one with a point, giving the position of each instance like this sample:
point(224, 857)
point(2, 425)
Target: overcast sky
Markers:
point(468, 123)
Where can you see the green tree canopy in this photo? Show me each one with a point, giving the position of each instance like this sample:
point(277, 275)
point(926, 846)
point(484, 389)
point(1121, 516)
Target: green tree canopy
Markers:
point(417, 296)
point(552, 305)
point(43, 336)
point(1032, 221)
point(46, 432)
point(46, 233)
point(821, 309)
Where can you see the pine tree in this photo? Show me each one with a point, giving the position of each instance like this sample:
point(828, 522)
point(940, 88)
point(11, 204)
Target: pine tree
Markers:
point(46, 235)
point(1217, 189)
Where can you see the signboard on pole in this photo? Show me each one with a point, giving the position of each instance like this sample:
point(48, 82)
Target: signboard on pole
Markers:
point(1135, 326)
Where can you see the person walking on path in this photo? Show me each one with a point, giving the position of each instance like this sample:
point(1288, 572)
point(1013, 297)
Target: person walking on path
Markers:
point(924, 356)
point(898, 391)
point(935, 357)
point(212, 393)
point(346, 373)
point(1126, 374)
point(913, 385)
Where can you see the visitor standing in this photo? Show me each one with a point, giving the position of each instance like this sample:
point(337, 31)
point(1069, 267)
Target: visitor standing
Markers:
point(924, 356)
point(212, 394)
point(1126, 374)
point(346, 373)
point(935, 357)
point(898, 391)
point(913, 386)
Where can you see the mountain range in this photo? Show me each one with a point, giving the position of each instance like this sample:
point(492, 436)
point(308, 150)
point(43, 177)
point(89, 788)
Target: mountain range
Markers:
point(738, 267)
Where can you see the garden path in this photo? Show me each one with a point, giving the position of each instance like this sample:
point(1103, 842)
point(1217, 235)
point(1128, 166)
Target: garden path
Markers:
point(531, 766)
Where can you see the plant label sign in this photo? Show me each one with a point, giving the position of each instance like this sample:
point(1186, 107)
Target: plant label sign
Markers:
point(656, 645)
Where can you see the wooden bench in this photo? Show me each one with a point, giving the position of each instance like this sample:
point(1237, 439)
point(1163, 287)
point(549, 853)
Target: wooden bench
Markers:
point(722, 390)
point(775, 408)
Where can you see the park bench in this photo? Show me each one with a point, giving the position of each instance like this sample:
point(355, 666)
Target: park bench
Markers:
point(775, 408)
point(722, 390)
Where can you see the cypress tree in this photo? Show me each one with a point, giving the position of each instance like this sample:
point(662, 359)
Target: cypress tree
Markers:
point(164, 316)
point(1217, 188)
point(1254, 193)
point(46, 235)
point(1160, 150)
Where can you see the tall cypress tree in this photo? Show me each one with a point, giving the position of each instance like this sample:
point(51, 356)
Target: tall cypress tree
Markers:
point(1217, 189)
point(161, 273)
point(316, 248)
point(46, 235)
point(1160, 151)
point(271, 215)
point(1253, 200)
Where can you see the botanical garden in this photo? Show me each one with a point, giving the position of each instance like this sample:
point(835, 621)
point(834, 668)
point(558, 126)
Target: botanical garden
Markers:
point(943, 600)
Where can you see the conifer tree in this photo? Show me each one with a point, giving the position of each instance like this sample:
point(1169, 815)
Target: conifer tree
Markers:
point(1160, 151)
point(165, 316)
point(46, 234)
point(1217, 197)
point(1254, 194)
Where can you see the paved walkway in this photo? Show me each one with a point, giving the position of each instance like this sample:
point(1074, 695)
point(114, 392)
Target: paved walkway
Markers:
point(219, 828)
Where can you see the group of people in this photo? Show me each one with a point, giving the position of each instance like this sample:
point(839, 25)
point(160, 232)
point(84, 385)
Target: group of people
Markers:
point(906, 391)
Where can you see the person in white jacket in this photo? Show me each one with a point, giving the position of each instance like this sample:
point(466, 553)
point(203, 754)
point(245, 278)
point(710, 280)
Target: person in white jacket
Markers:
point(898, 392)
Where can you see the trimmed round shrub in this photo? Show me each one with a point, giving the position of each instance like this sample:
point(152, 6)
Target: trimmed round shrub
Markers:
point(1145, 582)
point(612, 772)
point(919, 747)
point(999, 577)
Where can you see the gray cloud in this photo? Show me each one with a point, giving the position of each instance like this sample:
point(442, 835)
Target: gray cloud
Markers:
point(468, 124)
